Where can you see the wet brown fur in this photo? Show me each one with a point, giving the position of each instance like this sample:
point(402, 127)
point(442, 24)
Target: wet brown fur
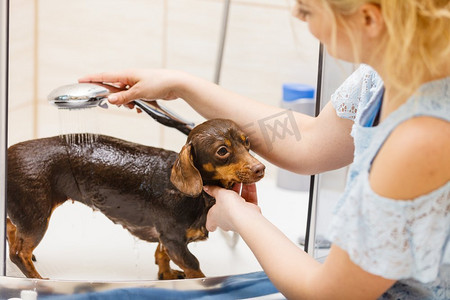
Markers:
point(154, 193)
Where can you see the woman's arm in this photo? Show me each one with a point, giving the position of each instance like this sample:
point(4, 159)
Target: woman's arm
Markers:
point(288, 139)
point(295, 274)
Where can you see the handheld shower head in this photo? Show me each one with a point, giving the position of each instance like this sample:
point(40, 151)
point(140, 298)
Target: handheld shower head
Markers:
point(80, 95)
point(88, 95)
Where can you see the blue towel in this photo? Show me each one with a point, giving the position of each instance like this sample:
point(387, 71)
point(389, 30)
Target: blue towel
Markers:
point(234, 287)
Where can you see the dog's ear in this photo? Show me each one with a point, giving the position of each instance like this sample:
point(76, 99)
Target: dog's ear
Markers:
point(185, 176)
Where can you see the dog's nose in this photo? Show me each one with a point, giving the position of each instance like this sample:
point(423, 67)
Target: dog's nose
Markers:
point(258, 170)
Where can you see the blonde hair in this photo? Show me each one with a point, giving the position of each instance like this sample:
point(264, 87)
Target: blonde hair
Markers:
point(417, 44)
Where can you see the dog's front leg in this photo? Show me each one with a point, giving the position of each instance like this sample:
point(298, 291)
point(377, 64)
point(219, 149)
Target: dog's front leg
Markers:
point(179, 253)
point(163, 261)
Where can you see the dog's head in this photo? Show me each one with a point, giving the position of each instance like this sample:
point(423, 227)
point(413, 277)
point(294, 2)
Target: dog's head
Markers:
point(216, 153)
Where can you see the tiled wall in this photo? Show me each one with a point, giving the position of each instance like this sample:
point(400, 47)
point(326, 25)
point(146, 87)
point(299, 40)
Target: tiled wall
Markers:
point(54, 42)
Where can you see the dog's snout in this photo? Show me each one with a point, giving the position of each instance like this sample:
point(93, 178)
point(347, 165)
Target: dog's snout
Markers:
point(258, 170)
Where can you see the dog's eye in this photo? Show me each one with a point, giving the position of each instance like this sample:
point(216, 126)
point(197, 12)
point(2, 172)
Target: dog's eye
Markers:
point(247, 142)
point(223, 152)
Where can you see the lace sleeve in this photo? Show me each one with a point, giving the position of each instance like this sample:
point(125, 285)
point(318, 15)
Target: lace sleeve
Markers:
point(394, 239)
point(356, 89)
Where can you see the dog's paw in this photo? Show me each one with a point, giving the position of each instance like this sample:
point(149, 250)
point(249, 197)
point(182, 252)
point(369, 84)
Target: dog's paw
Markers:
point(171, 274)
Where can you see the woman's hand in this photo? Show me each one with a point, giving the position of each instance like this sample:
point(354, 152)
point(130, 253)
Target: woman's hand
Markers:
point(230, 206)
point(140, 84)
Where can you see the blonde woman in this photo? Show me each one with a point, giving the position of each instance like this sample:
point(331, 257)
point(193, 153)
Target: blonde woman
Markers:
point(390, 119)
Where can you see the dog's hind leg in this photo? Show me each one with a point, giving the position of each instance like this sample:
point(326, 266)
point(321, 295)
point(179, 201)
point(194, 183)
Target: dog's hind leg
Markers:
point(10, 231)
point(21, 250)
point(11, 234)
point(163, 262)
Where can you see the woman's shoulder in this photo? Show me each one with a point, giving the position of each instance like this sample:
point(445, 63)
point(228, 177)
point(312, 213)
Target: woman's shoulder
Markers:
point(414, 159)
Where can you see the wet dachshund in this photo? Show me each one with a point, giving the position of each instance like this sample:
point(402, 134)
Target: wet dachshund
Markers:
point(156, 194)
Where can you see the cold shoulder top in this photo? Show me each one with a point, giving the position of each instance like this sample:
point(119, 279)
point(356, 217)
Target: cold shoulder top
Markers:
point(407, 241)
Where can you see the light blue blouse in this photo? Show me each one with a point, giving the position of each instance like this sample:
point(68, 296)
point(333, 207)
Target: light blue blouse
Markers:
point(401, 240)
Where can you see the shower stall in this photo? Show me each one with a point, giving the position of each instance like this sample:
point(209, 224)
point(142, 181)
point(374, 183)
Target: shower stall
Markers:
point(3, 125)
